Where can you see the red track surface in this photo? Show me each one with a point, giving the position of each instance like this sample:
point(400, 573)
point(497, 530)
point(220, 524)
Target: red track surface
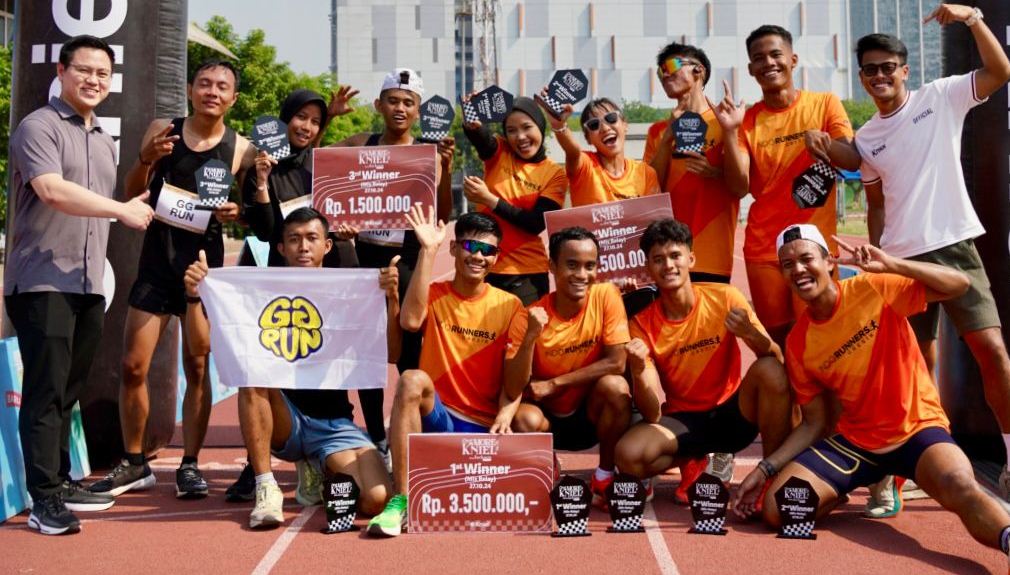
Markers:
point(153, 532)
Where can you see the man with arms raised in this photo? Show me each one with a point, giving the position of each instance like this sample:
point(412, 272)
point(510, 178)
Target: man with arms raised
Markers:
point(172, 151)
point(685, 362)
point(918, 203)
point(852, 349)
point(470, 333)
point(573, 358)
point(296, 424)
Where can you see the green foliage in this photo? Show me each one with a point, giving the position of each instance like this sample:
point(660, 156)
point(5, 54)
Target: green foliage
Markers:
point(859, 111)
point(5, 117)
point(638, 113)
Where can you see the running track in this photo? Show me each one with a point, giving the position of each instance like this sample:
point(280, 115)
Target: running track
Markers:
point(152, 532)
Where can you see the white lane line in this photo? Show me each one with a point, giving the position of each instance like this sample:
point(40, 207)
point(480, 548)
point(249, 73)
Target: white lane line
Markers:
point(667, 566)
point(284, 541)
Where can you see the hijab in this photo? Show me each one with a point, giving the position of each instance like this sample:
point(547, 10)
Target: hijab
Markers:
point(530, 108)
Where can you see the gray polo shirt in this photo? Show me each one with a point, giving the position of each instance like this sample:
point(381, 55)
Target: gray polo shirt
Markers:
point(52, 251)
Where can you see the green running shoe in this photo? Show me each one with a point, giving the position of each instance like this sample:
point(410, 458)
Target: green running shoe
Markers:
point(390, 522)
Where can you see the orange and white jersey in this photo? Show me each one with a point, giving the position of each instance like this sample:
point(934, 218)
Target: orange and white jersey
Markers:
point(592, 184)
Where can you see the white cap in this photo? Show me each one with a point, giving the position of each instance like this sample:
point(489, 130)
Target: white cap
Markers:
point(403, 79)
point(801, 232)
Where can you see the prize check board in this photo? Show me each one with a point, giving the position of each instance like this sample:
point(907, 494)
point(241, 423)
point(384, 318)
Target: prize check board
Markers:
point(618, 226)
point(467, 482)
point(373, 187)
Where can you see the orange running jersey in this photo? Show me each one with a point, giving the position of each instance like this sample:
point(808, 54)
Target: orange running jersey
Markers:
point(705, 204)
point(591, 184)
point(697, 358)
point(774, 139)
point(568, 345)
point(521, 184)
point(465, 345)
point(866, 353)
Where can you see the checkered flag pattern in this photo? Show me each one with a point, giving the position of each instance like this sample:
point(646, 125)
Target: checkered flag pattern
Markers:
point(555, 106)
point(633, 523)
point(699, 148)
point(713, 525)
point(341, 524)
point(503, 525)
point(577, 527)
point(434, 135)
point(798, 530)
point(215, 202)
point(281, 153)
point(825, 169)
point(469, 113)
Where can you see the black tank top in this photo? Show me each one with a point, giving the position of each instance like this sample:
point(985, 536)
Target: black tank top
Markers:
point(411, 247)
point(168, 250)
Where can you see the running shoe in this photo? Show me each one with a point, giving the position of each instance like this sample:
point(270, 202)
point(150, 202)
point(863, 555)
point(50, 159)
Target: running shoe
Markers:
point(885, 498)
point(598, 487)
point(50, 516)
point(392, 519)
point(387, 459)
point(189, 482)
point(269, 510)
point(911, 491)
point(721, 466)
point(310, 485)
point(124, 477)
point(77, 498)
point(244, 488)
point(690, 470)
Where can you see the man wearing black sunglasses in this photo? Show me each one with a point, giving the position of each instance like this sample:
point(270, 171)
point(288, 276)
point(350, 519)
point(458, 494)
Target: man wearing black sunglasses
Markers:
point(471, 331)
point(911, 152)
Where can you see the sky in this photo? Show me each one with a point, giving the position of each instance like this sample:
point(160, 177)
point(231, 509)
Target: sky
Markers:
point(299, 30)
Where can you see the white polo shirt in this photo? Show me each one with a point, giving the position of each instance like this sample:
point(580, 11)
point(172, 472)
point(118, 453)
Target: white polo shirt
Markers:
point(916, 153)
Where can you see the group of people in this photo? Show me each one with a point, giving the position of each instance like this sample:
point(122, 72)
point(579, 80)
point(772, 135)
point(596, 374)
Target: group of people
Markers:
point(841, 390)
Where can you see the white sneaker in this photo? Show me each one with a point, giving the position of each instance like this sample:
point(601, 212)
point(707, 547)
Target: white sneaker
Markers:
point(911, 491)
point(269, 510)
point(885, 499)
point(721, 465)
point(310, 485)
point(1004, 483)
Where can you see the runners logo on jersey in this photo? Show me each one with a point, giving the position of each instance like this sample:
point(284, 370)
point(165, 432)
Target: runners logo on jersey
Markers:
point(857, 340)
point(699, 345)
point(13, 399)
point(291, 328)
point(471, 333)
point(480, 447)
point(788, 139)
point(574, 348)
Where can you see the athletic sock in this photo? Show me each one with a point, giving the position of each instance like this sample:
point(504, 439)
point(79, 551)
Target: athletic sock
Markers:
point(1006, 444)
point(602, 475)
point(134, 458)
point(267, 477)
point(188, 460)
point(1004, 539)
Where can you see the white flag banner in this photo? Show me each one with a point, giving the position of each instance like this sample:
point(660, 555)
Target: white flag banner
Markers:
point(297, 328)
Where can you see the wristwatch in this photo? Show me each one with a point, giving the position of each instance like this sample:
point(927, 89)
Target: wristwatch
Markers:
point(976, 15)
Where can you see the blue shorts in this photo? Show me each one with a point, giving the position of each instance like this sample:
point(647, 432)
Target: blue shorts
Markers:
point(845, 467)
point(316, 439)
point(441, 420)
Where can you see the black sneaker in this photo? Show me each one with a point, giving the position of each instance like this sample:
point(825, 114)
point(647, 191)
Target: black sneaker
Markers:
point(51, 517)
point(189, 483)
point(244, 488)
point(123, 478)
point(77, 498)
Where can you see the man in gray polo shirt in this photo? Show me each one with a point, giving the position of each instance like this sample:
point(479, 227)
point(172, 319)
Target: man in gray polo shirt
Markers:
point(64, 168)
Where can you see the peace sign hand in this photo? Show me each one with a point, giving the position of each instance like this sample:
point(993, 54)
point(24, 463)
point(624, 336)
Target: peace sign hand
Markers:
point(866, 257)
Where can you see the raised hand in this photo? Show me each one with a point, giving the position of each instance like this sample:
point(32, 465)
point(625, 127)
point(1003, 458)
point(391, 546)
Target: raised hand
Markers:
point(536, 321)
point(866, 257)
point(430, 232)
point(346, 232)
point(728, 113)
point(340, 102)
point(738, 323)
point(264, 165)
point(195, 274)
point(818, 143)
point(556, 123)
point(476, 124)
point(159, 146)
point(136, 213)
point(949, 13)
point(389, 279)
point(638, 353)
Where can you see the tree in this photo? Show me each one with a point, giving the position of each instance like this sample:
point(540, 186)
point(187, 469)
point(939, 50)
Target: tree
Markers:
point(5, 118)
point(859, 111)
point(637, 112)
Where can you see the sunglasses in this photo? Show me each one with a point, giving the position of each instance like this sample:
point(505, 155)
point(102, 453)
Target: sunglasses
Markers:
point(671, 65)
point(870, 70)
point(478, 247)
point(593, 124)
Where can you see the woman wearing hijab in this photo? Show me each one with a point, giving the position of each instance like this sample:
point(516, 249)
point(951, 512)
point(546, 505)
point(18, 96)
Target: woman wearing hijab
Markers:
point(519, 185)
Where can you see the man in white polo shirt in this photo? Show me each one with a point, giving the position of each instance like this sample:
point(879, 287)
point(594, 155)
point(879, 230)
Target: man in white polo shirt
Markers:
point(918, 203)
